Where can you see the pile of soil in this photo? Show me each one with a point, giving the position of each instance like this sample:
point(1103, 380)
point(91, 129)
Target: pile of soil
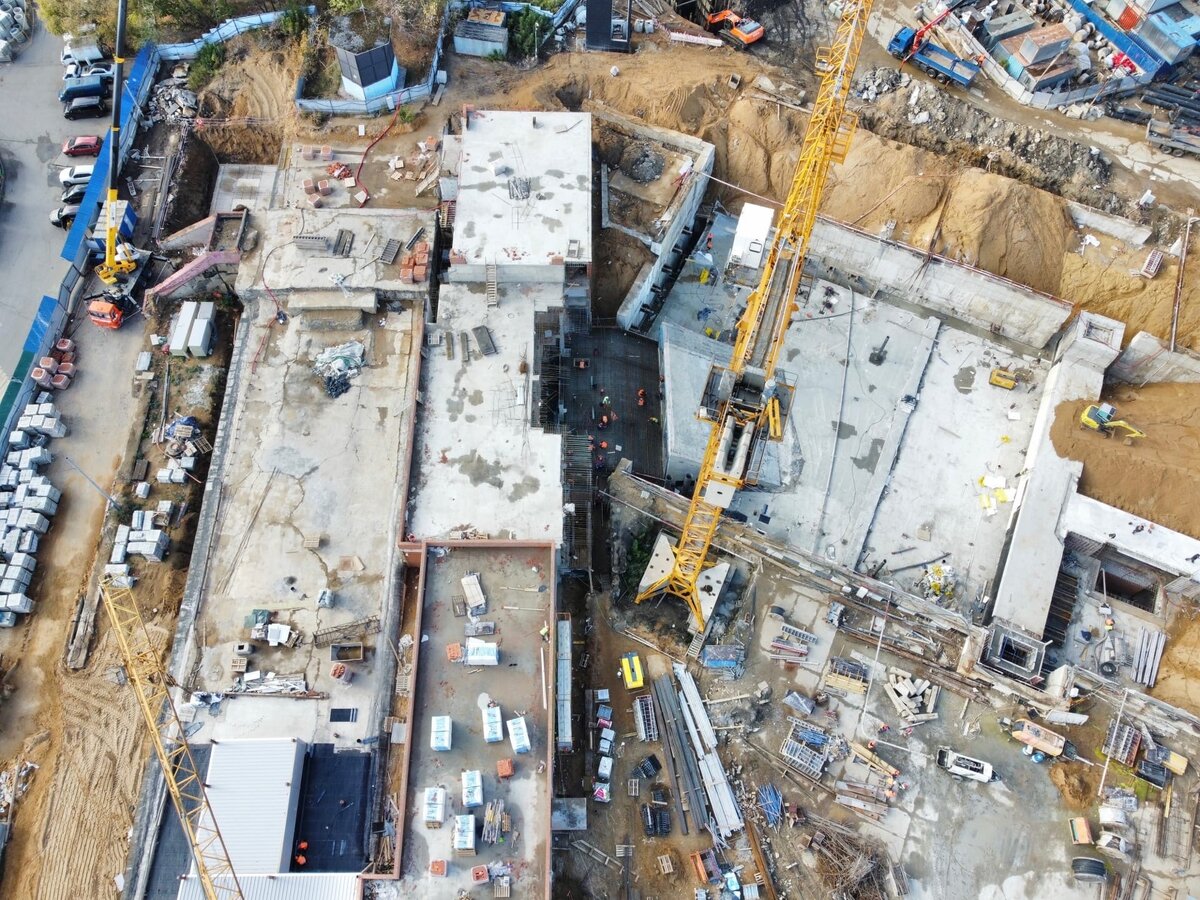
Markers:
point(1179, 671)
point(1076, 783)
point(1156, 477)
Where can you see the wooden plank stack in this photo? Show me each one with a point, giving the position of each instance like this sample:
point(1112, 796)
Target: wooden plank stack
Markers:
point(915, 699)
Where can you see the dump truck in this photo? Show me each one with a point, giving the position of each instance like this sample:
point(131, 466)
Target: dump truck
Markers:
point(932, 59)
point(1171, 139)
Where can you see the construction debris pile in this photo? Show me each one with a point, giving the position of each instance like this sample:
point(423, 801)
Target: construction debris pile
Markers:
point(171, 101)
point(338, 365)
point(915, 699)
point(13, 785)
point(851, 868)
point(642, 162)
point(926, 116)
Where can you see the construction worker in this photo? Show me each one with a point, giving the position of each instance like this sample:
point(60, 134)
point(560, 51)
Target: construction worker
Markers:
point(603, 423)
point(709, 242)
point(545, 633)
point(641, 396)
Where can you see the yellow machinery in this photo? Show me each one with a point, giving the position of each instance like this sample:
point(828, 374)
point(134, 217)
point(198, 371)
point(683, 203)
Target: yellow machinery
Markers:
point(1003, 378)
point(120, 258)
point(631, 672)
point(747, 402)
point(184, 780)
point(1102, 417)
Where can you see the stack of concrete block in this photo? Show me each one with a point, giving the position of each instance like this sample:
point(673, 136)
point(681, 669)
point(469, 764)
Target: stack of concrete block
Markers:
point(16, 603)
point(142, 538)
point(15, 579)
point(42, 418)
point(173, 473)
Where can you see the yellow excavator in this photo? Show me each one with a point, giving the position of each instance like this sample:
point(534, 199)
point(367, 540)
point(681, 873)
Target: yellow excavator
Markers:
point(1102, 417)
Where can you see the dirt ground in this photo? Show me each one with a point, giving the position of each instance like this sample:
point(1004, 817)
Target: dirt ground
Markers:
point(1077, 784)
point(938, 199)
point(1179, 671)
point(1156, 477)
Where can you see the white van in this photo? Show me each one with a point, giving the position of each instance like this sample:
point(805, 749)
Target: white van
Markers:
point(961, 766)
point(84, 54)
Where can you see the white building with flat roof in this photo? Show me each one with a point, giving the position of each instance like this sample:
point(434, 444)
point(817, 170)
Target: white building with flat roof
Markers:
point(524, 202)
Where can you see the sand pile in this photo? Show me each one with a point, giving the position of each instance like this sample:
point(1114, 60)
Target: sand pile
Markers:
point(967, 214)
point(1156, 477)
point(1105, 280)
point(1076, 783)
point(1179, 672)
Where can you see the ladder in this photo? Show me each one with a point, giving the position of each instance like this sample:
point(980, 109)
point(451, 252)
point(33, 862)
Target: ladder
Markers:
point(697, 644)
point(493, 295)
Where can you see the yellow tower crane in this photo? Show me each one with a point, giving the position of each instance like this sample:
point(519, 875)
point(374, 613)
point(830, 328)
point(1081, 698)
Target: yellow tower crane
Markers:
point(184, 782)
point(747, 402)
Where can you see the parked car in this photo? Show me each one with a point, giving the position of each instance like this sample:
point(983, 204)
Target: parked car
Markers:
point(962, 766)
point(64, 216)
point(106, 70)
point(84, 54)
point(73, 194)
point(85, 86)
point(76, 175)
point(83, 145)
point(85, 108)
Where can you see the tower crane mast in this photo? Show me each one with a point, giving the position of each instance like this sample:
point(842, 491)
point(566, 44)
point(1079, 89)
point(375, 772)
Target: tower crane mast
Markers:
point(747, 401)
point(183, 779)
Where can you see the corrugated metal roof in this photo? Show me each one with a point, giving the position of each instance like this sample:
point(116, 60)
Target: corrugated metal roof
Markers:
point(254, 789)
point(300, 886)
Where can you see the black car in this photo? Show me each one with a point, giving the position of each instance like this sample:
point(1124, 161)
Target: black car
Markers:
point(85, 108)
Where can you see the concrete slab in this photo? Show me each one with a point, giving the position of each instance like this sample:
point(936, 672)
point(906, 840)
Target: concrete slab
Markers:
point(251, 186)
point(305, 469)
point(484, 465)
point(328, 280)
point(525, 189)
point(522, 685)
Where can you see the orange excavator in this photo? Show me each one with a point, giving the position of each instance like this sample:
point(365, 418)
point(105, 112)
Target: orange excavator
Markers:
point(736, 30)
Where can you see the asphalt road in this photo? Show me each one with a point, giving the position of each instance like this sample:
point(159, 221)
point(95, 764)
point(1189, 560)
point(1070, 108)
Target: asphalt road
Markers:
point(32, 130)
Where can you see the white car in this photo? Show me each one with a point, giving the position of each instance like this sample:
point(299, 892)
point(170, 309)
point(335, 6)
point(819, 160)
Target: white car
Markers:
point(962, 766)
point(76, 175)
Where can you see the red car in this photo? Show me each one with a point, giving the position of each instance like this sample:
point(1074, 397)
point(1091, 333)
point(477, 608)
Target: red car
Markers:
point(83, 145)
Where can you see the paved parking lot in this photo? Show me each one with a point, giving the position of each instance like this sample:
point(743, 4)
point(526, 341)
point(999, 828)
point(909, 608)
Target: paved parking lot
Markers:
point(32, 130)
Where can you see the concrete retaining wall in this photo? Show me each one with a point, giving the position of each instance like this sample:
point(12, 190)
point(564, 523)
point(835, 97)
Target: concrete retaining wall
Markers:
point(1148, 359)
point(943, 286)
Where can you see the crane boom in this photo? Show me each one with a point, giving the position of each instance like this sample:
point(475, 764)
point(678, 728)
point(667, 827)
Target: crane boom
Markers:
point(747, 401)
point(183, 778)
point(115, 264)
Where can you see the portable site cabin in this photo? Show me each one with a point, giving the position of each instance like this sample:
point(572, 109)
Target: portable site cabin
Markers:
point(464, 835)
point(607, 736)
point(518, 735)
point(604, 770)
point(441, 733)
point(472, 784)
point(493, 727)
point(631, 672)
point(435, 807)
